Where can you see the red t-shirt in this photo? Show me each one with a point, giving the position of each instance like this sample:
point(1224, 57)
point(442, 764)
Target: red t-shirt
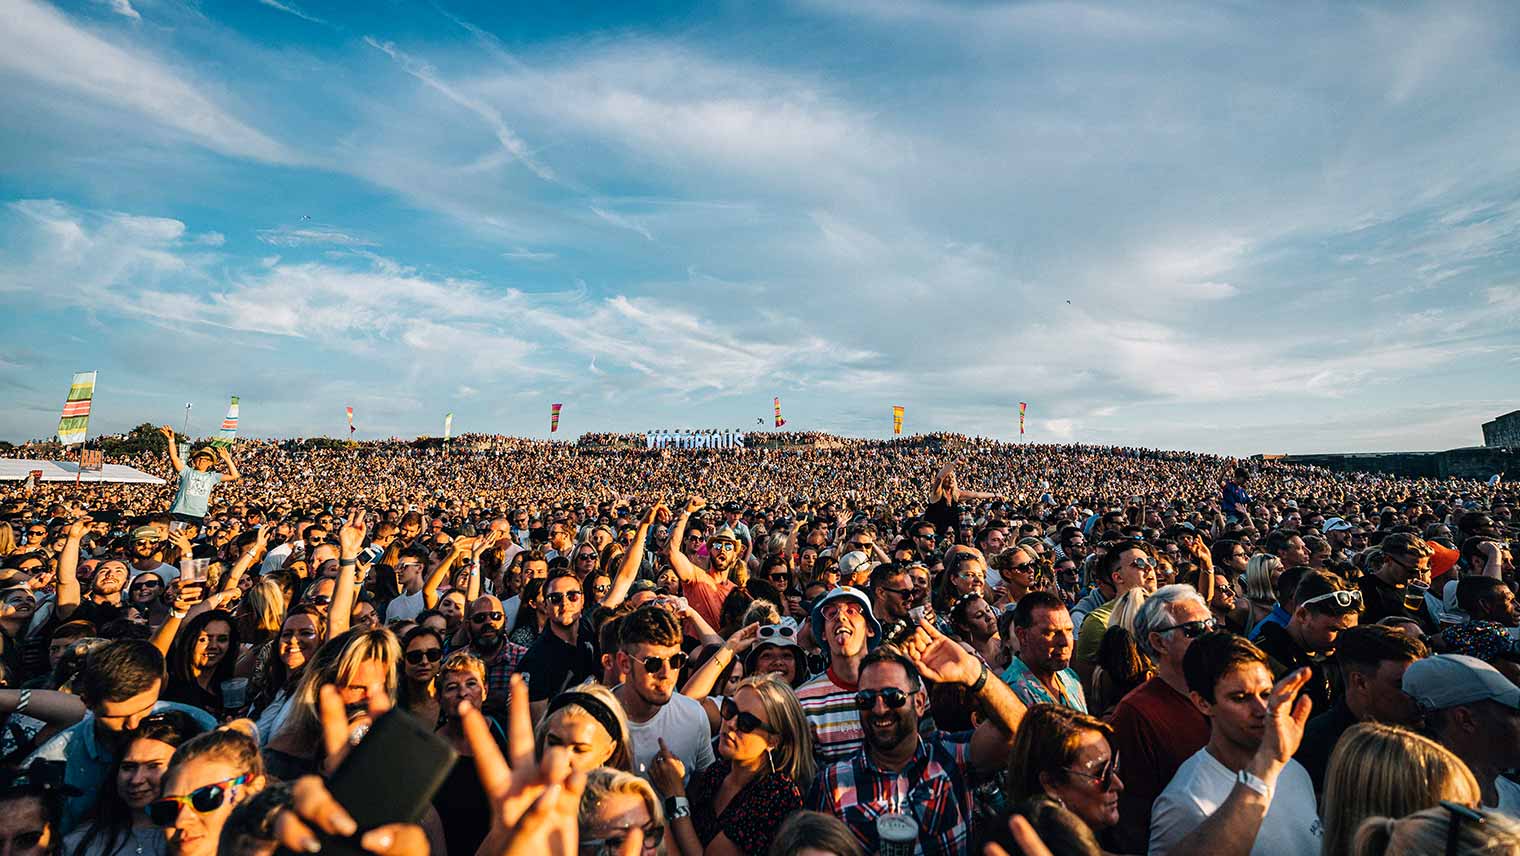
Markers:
point(707, 598)
point(1156, 728)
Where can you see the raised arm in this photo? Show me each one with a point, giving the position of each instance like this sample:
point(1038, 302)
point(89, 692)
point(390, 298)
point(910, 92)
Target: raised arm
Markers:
point(245, 561)
point(633, 558)
point(940, 659)
point(441, 572)
point(350, 540)
point(168, 432)
point(50, 706)
point(69, 594)
point(678, 561)
point(232, 473)
point(700, 684)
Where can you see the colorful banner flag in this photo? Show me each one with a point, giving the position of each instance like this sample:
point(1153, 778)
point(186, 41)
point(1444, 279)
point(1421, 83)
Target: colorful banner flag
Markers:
point(1022, 407)
point(350, 412)
point(779, 420)
point(75, 422)
point(229, 426)
point(448, 425)
point(897, 419)
point(554, 417)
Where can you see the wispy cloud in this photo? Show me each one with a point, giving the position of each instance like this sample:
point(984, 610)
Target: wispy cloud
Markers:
point(622, 222)
point(289, 236)
point(292, 9)
point(122, 8)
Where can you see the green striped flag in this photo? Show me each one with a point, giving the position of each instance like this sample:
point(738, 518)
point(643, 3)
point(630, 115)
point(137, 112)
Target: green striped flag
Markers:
point(75, 423)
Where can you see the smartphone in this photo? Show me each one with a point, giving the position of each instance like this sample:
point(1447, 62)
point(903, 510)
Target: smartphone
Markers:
point(402, 752)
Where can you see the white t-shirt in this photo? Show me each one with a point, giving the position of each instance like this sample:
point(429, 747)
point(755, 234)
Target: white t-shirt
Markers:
point(683, 724)
point(1509, 797)
point(509, 609)
point(405, 606)
point(1202, 784)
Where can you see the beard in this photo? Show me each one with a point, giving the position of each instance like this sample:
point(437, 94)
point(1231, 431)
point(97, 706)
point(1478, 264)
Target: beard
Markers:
point(723, 560)
point(486, 640)
point(887, 737)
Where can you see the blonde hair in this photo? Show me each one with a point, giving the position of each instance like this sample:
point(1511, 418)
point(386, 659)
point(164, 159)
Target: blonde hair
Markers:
point(1385, 770)
point(1424, 833)
point(1127, 609)
point(1259, 572)
point(266, 605)
point(236, 743)
point(461, 661)
point(604, 782)
point(7, 539)
point(622, 751)
point(354, 647)
point(793, 758)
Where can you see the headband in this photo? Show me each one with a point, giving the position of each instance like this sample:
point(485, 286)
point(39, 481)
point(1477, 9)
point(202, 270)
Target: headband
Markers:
point(593, 706)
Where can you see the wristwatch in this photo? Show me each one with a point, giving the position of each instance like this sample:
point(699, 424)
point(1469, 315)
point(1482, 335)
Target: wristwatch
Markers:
point(677, 808)
point(981, 680)
point(1255, 783)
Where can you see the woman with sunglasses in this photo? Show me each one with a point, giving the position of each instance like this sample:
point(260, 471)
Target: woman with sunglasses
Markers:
point(613, 805)
point(121, 826)
point(1067, 756)
point(207, 777)
point(765, 758)
point(281, 663)
point(146, 592)
point(422, 651)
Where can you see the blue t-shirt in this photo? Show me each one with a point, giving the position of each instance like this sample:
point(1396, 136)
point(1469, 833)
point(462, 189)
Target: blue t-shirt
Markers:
point(194, 491)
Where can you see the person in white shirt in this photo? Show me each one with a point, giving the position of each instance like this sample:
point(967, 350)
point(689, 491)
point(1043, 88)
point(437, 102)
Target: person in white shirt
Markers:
point(650, 658)
point(1473, 710)
point(1242, 792)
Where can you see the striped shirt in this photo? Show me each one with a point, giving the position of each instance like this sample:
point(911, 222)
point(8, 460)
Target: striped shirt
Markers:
point(829, 704)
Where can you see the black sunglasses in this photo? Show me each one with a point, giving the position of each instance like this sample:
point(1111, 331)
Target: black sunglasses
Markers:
point(204, 800)
point(432, 655)
point(892, 696)
point(677, 662)
point(1192, 629)
point(559, 597)
point(483, 617)
point(743, 720)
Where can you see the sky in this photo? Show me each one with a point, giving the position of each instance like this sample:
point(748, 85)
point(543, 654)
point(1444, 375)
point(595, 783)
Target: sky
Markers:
point(1230, 227)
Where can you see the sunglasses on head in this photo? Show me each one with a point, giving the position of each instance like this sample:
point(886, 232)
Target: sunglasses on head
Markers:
point(483, 617)
point(1346, 599)
point(1192, 629)
point(204, 800)
point(416, 656)
point(743, 720)
point(677, 662)
point(560, 597)
point(892, 697)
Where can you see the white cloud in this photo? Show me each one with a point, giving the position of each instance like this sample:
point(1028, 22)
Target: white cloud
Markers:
point(291, 9)
point(43, 48)
point(123, 8)
point(522, 255)
point(622, 222)
point(288, 236)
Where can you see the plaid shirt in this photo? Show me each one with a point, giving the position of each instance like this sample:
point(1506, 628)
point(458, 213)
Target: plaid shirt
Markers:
point(935, 788)
point(499, 670)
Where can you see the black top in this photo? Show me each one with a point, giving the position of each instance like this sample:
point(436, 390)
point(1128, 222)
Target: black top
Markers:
point(554, 665)
point(942, 514)
point(1320, 737)
point(1381, 600)
point(461, 801)
point(1286, 657)
point(751, 818)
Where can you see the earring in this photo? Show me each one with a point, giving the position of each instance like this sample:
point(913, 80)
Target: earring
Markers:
point(769, 759)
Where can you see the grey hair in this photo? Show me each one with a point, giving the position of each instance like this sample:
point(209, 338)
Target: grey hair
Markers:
point(1154, 615)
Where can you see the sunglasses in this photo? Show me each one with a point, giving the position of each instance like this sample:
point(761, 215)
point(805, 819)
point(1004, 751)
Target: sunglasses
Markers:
point(1459, 813)
point(586, 557)
point(654, 836)
point(146, 584)
point(601, 588)
point(319, 600)
point(1344, 599)
point(559, 597)
point(677, 662)
point(1146, 563)
point(779, 576)
point(1027, 567)
point(859, 545)
point(483, 617)
point(204, 800)
point(1192, 629)
point(723, 546)
point(771, 631)
point(902, 592)
point(743, 720)
point(1106, 776)
point(38, 533)
point(893, 697)
point(431, 655)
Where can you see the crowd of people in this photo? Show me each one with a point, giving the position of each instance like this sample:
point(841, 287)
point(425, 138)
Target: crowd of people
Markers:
point(935, 645)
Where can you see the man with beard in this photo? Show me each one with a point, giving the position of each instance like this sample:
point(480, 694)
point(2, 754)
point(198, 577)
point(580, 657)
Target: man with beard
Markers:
point(650, 659)
point(486, 635)
point(705, 588)
point(1490, 605)
point(147, 548)
point(928, 777)
point(842, 622)
point(565, 653)
point(119, 684)
point(103, 604)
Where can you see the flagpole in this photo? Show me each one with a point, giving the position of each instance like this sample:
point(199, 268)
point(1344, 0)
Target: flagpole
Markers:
point(188, 405)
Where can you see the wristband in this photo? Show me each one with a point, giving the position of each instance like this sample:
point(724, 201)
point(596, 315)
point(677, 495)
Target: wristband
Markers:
point(174, 613)
point(347, 563)
point(981, 680)
point(23, 701)
point(1255, 783)
point(677, 808)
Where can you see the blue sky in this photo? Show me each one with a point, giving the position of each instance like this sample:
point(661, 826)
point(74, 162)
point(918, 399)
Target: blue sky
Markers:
point(1230, 227)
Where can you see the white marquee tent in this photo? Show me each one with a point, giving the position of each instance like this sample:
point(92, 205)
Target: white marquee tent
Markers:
point(17, 469)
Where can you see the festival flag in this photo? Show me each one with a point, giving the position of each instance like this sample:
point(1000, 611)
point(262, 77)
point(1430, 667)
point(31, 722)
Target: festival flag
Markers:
point(350, 412)
point(779, 420)
point(229, 426)
point(897, 419)
point(75, 422)
point(1022, 407)
point(554, 417)
point(448, 425)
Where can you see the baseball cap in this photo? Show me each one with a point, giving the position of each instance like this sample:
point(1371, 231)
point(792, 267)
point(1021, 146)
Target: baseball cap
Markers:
point(641, 586)
point(1450, 680)
point(146, 533)
point(1443, 558)
point(852, 562)
point(846, 593)
point(1336, 524)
